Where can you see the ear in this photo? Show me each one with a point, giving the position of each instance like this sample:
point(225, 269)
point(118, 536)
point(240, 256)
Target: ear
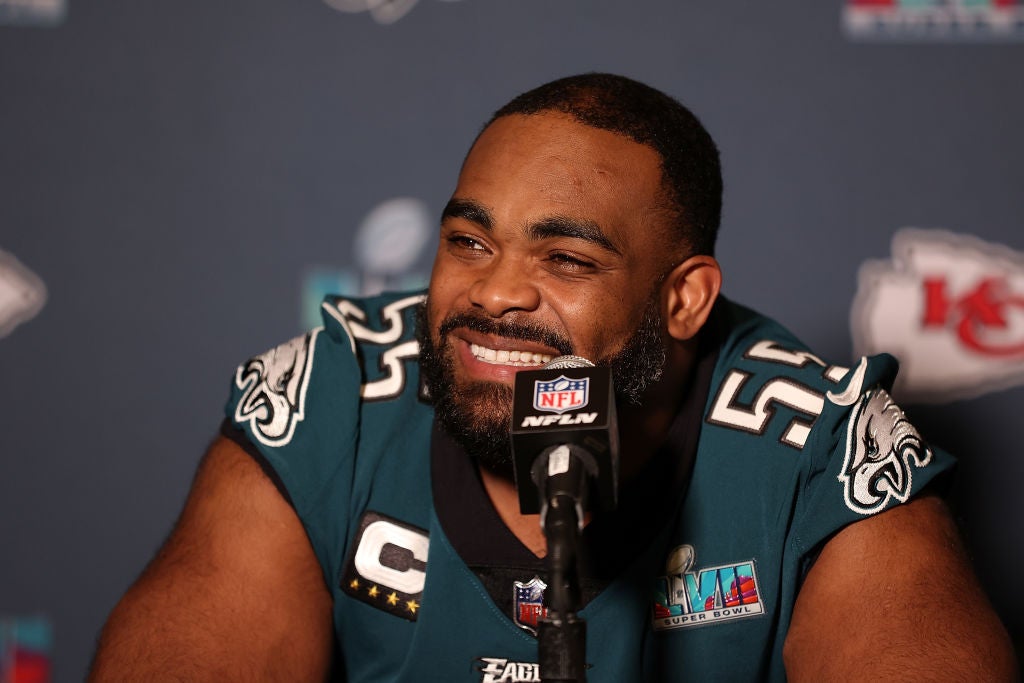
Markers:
point(689, 292)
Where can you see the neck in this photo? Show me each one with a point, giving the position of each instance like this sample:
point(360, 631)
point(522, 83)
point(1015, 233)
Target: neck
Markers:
point(505, 498)
point(644, 428)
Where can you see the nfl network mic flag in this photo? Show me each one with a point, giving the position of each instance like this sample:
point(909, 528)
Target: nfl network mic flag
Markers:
point(565, 406)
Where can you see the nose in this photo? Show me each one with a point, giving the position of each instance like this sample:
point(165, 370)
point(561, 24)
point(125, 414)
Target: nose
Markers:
point(505, 286)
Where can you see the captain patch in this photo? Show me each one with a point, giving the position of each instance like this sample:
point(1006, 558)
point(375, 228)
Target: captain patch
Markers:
point(387, 565)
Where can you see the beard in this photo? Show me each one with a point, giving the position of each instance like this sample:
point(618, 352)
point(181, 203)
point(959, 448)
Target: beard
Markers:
point(478, 415)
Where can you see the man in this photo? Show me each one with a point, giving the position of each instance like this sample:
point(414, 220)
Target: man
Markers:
point(775, 518)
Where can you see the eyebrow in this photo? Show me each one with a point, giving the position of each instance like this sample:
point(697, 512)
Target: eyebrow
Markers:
point(575, 228)
point(470, 211)
point(546, 228)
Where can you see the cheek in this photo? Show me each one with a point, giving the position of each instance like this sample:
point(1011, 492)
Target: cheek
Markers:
point(435, 314)
point(441, 292)
point(450, 279)
point(598, 325)
point(603, 324)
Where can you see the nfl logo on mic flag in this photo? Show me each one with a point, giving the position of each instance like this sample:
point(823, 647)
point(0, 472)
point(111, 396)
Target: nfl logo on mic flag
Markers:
point(561, 394)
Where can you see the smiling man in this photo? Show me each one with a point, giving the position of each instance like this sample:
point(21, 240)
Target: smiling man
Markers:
point(358, 517)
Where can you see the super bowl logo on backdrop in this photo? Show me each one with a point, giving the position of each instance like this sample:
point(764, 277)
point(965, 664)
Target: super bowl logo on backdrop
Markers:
point(388, 250)
point(687, 597)
point(561, 394)
point(950, 308)
point(934, 19)
point(26, 645)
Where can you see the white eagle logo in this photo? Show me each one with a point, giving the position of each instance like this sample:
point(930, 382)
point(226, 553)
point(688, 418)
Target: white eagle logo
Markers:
point(880, 446)
point(273, 387)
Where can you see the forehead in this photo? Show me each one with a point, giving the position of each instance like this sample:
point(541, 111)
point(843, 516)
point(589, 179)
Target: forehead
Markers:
point(525, 166)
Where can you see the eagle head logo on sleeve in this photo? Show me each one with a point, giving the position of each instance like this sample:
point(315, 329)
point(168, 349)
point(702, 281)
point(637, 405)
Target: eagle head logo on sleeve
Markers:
point(273, 386)
point(882, 448)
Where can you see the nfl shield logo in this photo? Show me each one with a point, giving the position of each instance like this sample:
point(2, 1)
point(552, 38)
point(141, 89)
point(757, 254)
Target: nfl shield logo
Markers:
point(528, 605)
point(561, 394)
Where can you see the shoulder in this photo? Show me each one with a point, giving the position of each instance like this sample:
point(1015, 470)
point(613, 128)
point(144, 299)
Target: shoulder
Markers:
point(381, 332)
point(358, 354)
point(769, 383)
point(757, 344)
point(832, 427)
point(303, 407)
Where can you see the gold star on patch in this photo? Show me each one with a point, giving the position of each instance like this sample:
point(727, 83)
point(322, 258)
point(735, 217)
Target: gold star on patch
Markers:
point(412, 606)
point(373, 592)
point(354, 585)
point(393, 599)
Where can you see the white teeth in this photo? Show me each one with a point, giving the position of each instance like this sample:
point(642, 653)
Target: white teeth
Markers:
point(515, 358)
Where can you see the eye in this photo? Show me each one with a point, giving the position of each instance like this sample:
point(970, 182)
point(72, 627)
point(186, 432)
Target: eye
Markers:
point(570, 262)
point(870, 446)
point(464, 244)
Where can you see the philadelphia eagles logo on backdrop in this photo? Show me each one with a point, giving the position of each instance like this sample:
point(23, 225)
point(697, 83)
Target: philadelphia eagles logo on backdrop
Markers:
point(22, 293)
point(882, 448)
point(273, 387)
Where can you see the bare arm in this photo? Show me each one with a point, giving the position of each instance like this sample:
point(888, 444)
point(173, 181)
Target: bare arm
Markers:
point(236, 593)
point(893, 597)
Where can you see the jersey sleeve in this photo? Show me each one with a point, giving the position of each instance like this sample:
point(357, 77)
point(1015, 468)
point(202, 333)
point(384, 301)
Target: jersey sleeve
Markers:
point(318, 412)
point(863, 456)
point(297, 407)
point(828, 440)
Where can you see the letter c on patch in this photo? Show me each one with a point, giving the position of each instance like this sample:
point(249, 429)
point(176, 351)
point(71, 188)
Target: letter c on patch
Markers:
point(371, 546)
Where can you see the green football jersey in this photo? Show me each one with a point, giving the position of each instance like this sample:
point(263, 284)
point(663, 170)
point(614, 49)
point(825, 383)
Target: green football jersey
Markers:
point(790, 450)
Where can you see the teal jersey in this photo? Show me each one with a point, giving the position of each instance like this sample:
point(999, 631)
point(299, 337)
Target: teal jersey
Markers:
point(790, 450)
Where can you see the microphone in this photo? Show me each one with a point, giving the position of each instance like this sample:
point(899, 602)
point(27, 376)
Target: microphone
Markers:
point(565, 437)
point(565, 447)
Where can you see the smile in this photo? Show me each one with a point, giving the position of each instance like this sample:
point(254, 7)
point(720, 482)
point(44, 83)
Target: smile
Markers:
point(503, 357)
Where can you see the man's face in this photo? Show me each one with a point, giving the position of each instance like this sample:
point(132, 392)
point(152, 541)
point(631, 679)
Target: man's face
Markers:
point(553, 243)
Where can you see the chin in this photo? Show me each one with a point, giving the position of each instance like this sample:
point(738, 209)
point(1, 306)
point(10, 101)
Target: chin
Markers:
point(479, 418)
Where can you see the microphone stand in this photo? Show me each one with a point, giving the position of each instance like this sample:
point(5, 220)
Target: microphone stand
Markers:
point(561, 634)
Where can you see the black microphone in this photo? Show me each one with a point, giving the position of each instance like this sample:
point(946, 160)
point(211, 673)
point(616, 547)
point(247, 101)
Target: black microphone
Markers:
point(565, 450)
point(565, 438)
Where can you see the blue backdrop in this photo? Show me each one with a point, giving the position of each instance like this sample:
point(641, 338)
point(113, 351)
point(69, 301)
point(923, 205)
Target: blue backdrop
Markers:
point(179, 180)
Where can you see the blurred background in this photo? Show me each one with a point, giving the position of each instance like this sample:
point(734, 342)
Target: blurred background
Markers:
point(180, 183)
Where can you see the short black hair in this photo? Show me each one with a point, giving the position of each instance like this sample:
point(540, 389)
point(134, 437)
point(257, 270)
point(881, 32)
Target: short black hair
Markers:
point(690, 166)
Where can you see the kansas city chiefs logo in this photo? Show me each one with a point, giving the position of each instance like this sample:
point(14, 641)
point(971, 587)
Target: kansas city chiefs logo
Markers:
point(950, 308)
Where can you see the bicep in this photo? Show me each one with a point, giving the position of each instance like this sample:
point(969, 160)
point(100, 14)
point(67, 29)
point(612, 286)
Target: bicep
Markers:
point(894, 595)
point(235, 593)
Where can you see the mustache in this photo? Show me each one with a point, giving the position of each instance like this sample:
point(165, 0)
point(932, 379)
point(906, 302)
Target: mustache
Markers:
point(510, 329)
